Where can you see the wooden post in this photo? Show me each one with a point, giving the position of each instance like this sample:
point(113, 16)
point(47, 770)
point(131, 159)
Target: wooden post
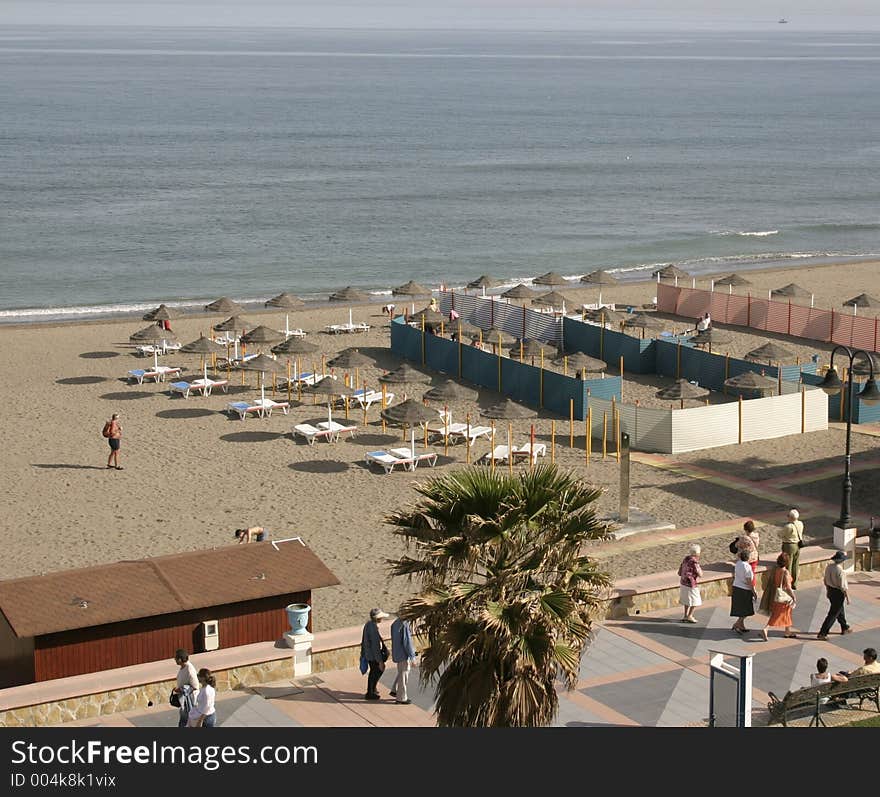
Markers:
point(423, 340)
point(621, 377)
point(446, 430)
point(740, 417)
point(499, 363)
point(617, 433)
point(635, 435)
point(492, 450)
point(587, 439)
point(384, 402)
point(779, 379)
point(553, 441)
point(678, 361)
point(589, 434)
point(541, 383)
point(273, 384)
point(459, 349)
point(602, 339)
point(364, 400)
point(604, 435)
point(571, 423)
point(565, 365)
point(467, 441)
point(345, 401)
point(323, 366)
point(509, 446)
point(299, 387)
point(803, 409)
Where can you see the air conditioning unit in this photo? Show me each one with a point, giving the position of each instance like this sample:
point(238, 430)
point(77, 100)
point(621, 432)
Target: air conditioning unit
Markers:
point(210, 635)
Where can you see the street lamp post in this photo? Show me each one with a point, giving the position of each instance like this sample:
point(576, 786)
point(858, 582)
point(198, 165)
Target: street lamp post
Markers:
point(832, 385)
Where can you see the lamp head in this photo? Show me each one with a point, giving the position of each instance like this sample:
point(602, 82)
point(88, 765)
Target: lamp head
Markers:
point(870, 393)
point(831, 384)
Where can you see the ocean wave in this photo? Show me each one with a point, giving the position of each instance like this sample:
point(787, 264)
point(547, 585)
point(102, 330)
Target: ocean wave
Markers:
point(746, 233)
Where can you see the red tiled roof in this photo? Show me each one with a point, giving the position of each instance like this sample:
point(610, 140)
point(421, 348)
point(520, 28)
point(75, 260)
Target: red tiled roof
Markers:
point(120, 591)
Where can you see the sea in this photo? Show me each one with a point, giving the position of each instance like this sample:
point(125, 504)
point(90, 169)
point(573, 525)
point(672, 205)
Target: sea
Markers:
point(140, 166)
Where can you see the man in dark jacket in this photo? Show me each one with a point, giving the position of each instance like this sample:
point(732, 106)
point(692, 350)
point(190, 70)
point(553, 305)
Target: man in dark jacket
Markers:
point(373, 650)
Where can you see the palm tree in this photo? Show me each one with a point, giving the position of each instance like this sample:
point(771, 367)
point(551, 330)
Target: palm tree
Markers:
point(507, 599)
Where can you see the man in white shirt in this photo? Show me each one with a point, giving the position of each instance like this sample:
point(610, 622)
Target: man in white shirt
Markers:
point(186, 676)
point(837, 590)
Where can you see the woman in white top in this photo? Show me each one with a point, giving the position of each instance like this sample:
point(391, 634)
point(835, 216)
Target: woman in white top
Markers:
point(742, 599)
point(822, 677)
point(203, 714)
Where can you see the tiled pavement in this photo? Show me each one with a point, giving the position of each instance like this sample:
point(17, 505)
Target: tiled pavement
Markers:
point(647, 670)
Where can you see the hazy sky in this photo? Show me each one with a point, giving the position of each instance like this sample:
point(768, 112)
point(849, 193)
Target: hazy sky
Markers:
point(501, 14)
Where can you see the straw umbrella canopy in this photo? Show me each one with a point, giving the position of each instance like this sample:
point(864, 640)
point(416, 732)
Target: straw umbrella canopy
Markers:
point(600, 278)
point(484, 281)
point(232, 324)
point(493, 334)
point(749, 380)
point(605, 316)
point(224, 305)
point(670, 273)
point(295, 346)
point(790, 291)
point(262, 363)
point(330, 388)
point(350, 358)
point(162, 313)
point(465, 328)
point(580, 361)
point(681, 390)
point(411, 288)
point(203, 346)
point(529, 347)
point(711, 337)
point(551, 299)
point(771, 352)
point(519, 292)
point(409, 413)
point(642, 321)
point(432, 318)
point(508, 410)
point(405, 375)
point(551, 279)
point(262, 336)
point(449, 390)
point(349, 294)
point(732, 281)
point(286, 301)
point(862, 300)
point(154, 335)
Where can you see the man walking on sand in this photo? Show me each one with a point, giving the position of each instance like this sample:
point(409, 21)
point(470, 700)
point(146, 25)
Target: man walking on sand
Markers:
point(113, 433)
point(403, 654)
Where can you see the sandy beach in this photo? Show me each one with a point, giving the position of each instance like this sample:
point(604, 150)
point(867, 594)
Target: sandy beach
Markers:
point(192, 474)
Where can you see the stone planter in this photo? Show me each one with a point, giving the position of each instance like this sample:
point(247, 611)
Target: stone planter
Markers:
point(298, 617)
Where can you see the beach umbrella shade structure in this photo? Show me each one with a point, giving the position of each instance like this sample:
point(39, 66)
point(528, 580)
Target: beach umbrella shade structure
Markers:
point(599, 278)
point(749, 380)
point(484, 282)
point(519, 292)
point(771, 353)
point(681, 390)
point(350, 358)
point(450, 390)
point(605, 316)
point(349, 294)
point(791, 291)
point(862, 300)
point(294, 347)
point(409, 413)
point(732, 281)
point(286, 301)
point(329, 388)
point(495, 336)
point(411, 288)
point(203, 346)
point(465, 329)
point(642, 321)
point(263, 364)
point(406, 375)
point(670, 273)
point(550, 280)
point(529, 347)
point(224, 305)
point(234, 323)
point(711, 337)
point(579, 361)
point(262, 336)
point(508, 410)
point(162, 313)
point(155, 336)
point(552, 299)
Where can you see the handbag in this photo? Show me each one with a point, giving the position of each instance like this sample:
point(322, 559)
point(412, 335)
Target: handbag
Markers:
point(174, 700)
point(781, 596)
point(384, 652)
point(801, 543)
point(732, 546)
point(363, 666)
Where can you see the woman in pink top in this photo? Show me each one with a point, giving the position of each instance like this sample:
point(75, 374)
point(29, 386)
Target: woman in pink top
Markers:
point(748, 542)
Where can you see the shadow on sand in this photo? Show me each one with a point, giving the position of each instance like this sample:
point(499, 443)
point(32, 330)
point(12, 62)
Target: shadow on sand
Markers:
point(320, 466)
point(62, 466)
point(127, 396)
point(251, 437)
point(82, 380)
point(180, 414)
point(98, 355)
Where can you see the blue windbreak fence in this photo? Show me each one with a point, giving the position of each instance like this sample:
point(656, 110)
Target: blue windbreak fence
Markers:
point(862, 413)
point(520, 381)
point(609, 345)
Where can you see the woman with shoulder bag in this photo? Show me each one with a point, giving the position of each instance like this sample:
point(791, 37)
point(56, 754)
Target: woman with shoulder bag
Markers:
point(781, 599)
point(202, 714)
point(748, 542)
point(689, 574)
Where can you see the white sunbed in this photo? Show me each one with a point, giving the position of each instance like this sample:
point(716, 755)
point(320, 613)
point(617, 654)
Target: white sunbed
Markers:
point(205, 386)
point(268, 405)
point(426, 456)
point(312, 433)
point(243, 409)
point(473, 432)
point(183, 388)
point(337, 428)
point(388, 461)
point(527, 450)
point(336, 329)
point(371, 397)
point(498, 454)
point(156, 374)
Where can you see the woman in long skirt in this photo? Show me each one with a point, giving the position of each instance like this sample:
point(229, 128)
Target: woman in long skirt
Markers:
point(689, 573)
point(742, 599)
point(780, 586)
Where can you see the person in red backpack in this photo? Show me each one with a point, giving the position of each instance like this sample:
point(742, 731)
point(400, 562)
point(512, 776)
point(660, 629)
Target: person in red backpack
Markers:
point(113, 433)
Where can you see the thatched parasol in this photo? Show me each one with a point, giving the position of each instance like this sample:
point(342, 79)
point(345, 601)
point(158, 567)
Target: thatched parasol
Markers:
point(224, 305)
point(203, 346)
point(162, 313)
point(450, 390)
point(790, 291)
point(860, 365)
point(605, 316)
point(349, 294)
point(732, 281)
point(432, 318)
point(484, 281)
point(263, 364)
point(411, 288)
point(681, 390)
point(551, 279)
point(285, 301)
point(330, 388)
point(670, 273)
point(642, 321)
point(519, 292)
point(350, 358)
point(749, 380)
point(295, 346)
point(465, 328)
point(508, 410)
point(233, 324)
point(599, 278)
point(405, 374)
point(154, 334)
point(531, 348)
point(770, 352)
point(262, 336)
point(579, 361)
point(551, 299)
point(862, 300)
point(711, 337)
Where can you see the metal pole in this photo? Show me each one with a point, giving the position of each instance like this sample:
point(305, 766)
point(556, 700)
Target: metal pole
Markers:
point(571, 423)
point(553, 441)
point(845, 503)
point(623, 514)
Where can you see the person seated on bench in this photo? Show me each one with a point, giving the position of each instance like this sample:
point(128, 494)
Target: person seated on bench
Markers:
point(870, 667)
point(252, 534)
point(822, 677)
point(704, 323)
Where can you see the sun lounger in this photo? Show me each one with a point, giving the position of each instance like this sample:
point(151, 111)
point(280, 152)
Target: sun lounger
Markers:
point(157, 375)
point(388, 461)
point(338, 429)
point(181, 387)
point(268, 405)
point(528, 450)
point(336, 329)
point(206, 386)
point(243, 408)
point(499, 454)
point(312, 433)
point(426, 456)
point(137, 375)
point(164, 371)
point(366, 400)
point(295, 333)
point(462, 430)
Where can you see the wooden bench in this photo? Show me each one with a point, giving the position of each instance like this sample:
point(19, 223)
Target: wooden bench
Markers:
point(861, 688)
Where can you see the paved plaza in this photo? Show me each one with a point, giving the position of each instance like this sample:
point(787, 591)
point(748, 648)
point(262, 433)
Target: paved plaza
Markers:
point(646, 670)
